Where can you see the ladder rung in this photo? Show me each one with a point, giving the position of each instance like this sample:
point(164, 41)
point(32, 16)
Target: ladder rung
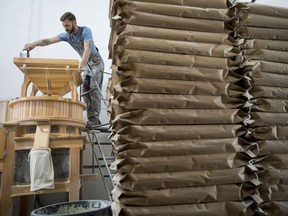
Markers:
point(102, 143)
point(95, 166)
point(92, 176)
point(105, 143)
point(106, 158)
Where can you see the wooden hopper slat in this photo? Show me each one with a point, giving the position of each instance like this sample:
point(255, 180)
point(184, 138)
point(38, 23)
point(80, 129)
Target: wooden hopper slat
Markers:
point(40, 70)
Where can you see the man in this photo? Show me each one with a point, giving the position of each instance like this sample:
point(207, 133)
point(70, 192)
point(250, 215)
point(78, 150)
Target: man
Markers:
point(91, 64)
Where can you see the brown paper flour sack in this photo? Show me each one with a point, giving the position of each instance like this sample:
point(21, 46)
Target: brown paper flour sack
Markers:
point(266, 71)
point(197, 107)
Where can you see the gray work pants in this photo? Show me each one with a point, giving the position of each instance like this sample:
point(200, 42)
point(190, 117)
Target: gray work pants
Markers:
point(94, 72)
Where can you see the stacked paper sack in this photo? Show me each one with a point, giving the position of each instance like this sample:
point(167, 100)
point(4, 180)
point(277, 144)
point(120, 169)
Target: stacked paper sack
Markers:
point(265, 30)
point(185, 113)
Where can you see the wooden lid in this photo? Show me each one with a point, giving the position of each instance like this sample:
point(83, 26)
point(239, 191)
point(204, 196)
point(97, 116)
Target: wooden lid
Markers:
point(50, 76)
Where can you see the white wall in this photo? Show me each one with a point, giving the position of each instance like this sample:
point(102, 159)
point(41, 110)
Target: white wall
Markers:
point(23, 21)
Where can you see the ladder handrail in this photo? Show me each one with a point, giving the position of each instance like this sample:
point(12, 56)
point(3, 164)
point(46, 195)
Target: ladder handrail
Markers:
point(93, 139)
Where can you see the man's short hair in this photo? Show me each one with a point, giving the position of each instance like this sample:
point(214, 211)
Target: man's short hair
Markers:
point(68, 15)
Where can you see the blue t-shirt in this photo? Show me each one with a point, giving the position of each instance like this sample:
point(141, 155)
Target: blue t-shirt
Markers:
point(77, 40)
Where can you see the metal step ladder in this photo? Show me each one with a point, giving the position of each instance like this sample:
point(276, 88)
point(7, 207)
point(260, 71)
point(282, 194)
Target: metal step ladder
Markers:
point(102, 161)
point(98, 154)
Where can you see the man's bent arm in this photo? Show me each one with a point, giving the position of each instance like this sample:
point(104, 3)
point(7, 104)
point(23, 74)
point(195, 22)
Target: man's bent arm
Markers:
point(86, 54)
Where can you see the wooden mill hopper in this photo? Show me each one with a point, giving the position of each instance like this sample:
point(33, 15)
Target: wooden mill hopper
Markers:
point(54, 78)
point(50, 76)
point(44, 118)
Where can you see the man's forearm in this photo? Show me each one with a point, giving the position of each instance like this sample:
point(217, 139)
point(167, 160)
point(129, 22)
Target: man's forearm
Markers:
point(85, 58)
point(43, 42)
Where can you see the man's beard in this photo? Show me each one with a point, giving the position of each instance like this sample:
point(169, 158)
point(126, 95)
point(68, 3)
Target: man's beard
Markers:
point(72, 29)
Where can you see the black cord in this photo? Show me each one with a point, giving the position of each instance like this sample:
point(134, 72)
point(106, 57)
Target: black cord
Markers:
point(253, 1)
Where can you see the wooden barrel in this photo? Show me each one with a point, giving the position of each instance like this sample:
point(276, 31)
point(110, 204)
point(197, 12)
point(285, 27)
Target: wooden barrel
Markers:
point(47, 108)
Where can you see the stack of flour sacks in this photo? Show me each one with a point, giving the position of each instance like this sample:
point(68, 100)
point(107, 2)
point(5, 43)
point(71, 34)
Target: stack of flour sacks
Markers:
point(185, 111)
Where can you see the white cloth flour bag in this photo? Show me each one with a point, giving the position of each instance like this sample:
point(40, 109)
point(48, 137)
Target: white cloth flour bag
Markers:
point(41, 169)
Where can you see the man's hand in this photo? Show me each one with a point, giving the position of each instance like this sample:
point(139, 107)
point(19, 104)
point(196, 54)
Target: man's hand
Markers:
point(29, 46)
point(81, 69)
